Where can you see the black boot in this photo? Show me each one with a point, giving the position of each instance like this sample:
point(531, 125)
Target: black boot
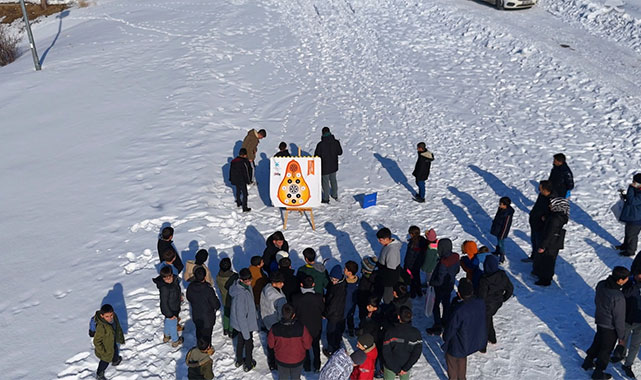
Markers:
point(628, 371)
point(587, 364)
point(600, 375)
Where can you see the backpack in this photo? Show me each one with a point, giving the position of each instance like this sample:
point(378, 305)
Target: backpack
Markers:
point(92, 327)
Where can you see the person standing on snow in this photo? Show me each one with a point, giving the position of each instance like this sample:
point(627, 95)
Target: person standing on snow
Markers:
point(250, 144)
point(552, 241)
point(422, 170)
point(389, 261)
point(328, 149)
point(561, 177)
point(495, 288)
point(631, 215)
point(501, 225)
point(537, 216)
point(240, 175)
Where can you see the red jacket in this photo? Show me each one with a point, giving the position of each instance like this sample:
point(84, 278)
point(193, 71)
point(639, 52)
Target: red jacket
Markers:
point(366, 370)
point(290, 341)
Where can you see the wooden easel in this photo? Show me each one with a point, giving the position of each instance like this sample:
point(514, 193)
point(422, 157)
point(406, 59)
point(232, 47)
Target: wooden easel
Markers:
point(302, 212)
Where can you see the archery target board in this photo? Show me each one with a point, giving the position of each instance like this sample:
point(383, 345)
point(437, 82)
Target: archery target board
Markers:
point(295, 182)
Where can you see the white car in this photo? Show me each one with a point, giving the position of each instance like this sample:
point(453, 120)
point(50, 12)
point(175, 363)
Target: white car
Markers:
point(512, 4)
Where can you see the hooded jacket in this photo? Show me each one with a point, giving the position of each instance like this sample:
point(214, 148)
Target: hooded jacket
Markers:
point(561, 179)
point(204, 303)
point(271, 302)
point(318, 272)
point(444, 274)
point(309, 310)
point(465, 332)
point(250, 142)
point(269, 254)
point(240, 171)
point(224, 280)
point(502, 222)
point(495, 286)
point(164, 245)
point(199, 365)
point(423, 165)
point(631, 212)
point(107, 334)
point(243, 310)
point(328, 149)
point(610, 306)
point(290, 340)
point(259, 281)
point(553, 232)
point(335, 301)
point(169, 296)
point(431, 257)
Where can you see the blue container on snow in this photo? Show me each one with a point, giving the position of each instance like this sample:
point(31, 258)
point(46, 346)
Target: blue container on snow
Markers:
point(369, 200)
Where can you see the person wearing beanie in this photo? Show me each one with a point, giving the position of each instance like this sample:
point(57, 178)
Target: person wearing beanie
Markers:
point(501, 225)
point(289, 340)
point(328, 149)
point(414, 257)
point(631, 216)
point(561, 178)
point(431, 254)
point(243, 319)
point(335, 299)
point(443, 280)
point(402, 346)
point(309, 307)
point(422, 170)
point(315, 269)
point(389, 262)
point(494, 288)
point(552, 241)
point(465, 332)
point(367, 286)
point(610, 322)
point(203, 303)
point(240, 175)
point(272, 300)
point(201, 258)
point(470, 263)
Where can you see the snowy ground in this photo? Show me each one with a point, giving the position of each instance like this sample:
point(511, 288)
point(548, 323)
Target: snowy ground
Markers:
point(141, 105)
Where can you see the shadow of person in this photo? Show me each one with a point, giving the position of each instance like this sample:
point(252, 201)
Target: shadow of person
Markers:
point(580, 216)
point(189, 254)
point(370, 235)
point(395, 172)
point(293, 150)
point(469, 226)
point(116, 298)
point(344, 244)
point(262, 179)
point(502, 190)
point(225, 168)
point(60, 16)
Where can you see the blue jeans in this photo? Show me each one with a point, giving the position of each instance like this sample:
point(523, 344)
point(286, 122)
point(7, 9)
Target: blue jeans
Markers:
point(171, 328)
point(500, 247)
point(421, 188)
point(328, 181)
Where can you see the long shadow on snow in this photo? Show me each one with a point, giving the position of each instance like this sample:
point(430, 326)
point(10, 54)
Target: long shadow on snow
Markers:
point(395, 172)
point(345, 246)
point(468, 225)
point(370, 235)
point(189, 254)
point(62, 15)
point(225, 168)
point(253, 246)
point(262, 179)
point(502, 190)
point(293, 150)
point(116, 298)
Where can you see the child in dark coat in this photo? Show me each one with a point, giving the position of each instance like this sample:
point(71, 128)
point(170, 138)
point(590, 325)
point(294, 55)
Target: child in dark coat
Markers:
point(240, 175)
point(402, 347)
point(443, 280)
point(170, 296)
point(335, 310)
point(414, 257)
point(501, 225)
point(367, 286)
point(166, 243)
point(494, 288)
point(351, 299)
point(309, 307)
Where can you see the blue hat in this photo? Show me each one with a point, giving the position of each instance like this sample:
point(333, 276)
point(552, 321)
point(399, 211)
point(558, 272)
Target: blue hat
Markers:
point(336, 272)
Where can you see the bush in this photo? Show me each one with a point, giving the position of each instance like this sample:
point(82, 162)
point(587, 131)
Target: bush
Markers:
point(8, 45)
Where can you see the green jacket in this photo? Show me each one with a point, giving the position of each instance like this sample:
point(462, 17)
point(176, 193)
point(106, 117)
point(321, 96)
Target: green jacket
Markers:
point(431, 258)
point(318, 272)
point(199, 365)
point(106, 333)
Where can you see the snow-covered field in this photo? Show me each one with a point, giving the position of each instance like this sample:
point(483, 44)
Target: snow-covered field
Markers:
point(141, 105)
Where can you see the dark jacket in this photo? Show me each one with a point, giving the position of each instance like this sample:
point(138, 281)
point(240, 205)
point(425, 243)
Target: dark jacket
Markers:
point(415, 254)
point(318, 272)
point(269, 254)
point(368, 286)
point(283, 153)
point(351, 298)
point(335, 301)
point(224, 280)
point(465, 332)
point(561, 179)
point(291, 285)
point(374, 326)
point(164, 245)
point(610, 306)
point(169, 296)
point(444, 274)
point(309, 310)
point(632, 294)
point(495, 286)
point(392, 310)
point(402, 346)
point(328, 149)
point(204, 303)
point(389, 263)
point(423, 165)
point(631, 212)
point(553, 234)
point(199, 365)
point(240, 171)
point(107, 334)
point(540, 209)
point(290, 340)
point(502, 222)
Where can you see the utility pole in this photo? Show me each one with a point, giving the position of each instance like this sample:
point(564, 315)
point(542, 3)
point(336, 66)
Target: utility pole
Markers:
point(32, 44)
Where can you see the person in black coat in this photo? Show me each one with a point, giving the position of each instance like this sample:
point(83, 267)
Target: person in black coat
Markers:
point(282, 150)
point(537, 216)
point(309, 308)
point(170, 296)
point(165, 243)
point(402, 346)
point(240, 175)
point(501, 225)
point(328, 149)
point(291, 286)
point(275, 242)
point(561, 177)
point(552, 241)
point(414, 257)
point(204, 303)
point(422, 170)
point(443, 279)
point(335, 299)
point(632, 294)
point(494, 288)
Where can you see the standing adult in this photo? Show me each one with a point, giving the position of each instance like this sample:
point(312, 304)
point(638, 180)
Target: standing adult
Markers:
point(443, 279)
point(250, 143)
point(204, 303)
point(389, 261)
point(240, 175)
point(402, 347)
point(271, 304)
point(610, 322)
point(243, 319)
point(328, 149)
point(561, 177)
point(631, 215)
point(538, 213)
point(422, 170)
point(309, 307)
point(552, 242)
point(495, 288)
point(166, 243)
point(290, 340)
point(632, 293)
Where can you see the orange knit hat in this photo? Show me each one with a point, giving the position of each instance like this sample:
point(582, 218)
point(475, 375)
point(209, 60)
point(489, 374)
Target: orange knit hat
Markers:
point(469, 248)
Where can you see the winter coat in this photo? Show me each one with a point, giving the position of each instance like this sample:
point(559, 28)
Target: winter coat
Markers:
point(170, 295)
point(335, 301)
point(393, 309)
point(259, 281)
point(472, 269)
point(389, 261)
point(189, 272)
point(291, 285)
point(309, 310)
point(465, 332)
point(269, 254)
point(415, 254)
point(431, 258)
point(367, 287)
point(106, 336)
point(495, 286)
point(561, 179)
point(423, 165)
point(283, 153)
point(339, 366)
point(290, 340)
point(240, 171)
point(632, 294)
point(502, 222)
point(204, 303)
point(610, 306)
point(366, 370)
point(243, 310)
point(553, 234)
point(250, 143)
point(540, 210)
point(631, 212)
point(318, 272)
point(199, 365)
point(402, 346)
point(373, 325)
point(271, 302)
point(328, 149)
point(164, 245)
point(224, 280)
point(351, 296)
point(447, 268)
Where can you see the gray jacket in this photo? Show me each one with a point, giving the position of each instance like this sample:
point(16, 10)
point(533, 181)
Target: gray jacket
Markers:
point(271, 302)
point(610, 306)
point(391, 255)
point(243, 309)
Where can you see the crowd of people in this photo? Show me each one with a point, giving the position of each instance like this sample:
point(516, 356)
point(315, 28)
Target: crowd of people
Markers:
point(371, 302)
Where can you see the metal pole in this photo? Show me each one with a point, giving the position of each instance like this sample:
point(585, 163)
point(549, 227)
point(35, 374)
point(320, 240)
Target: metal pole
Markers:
point(32, 44)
